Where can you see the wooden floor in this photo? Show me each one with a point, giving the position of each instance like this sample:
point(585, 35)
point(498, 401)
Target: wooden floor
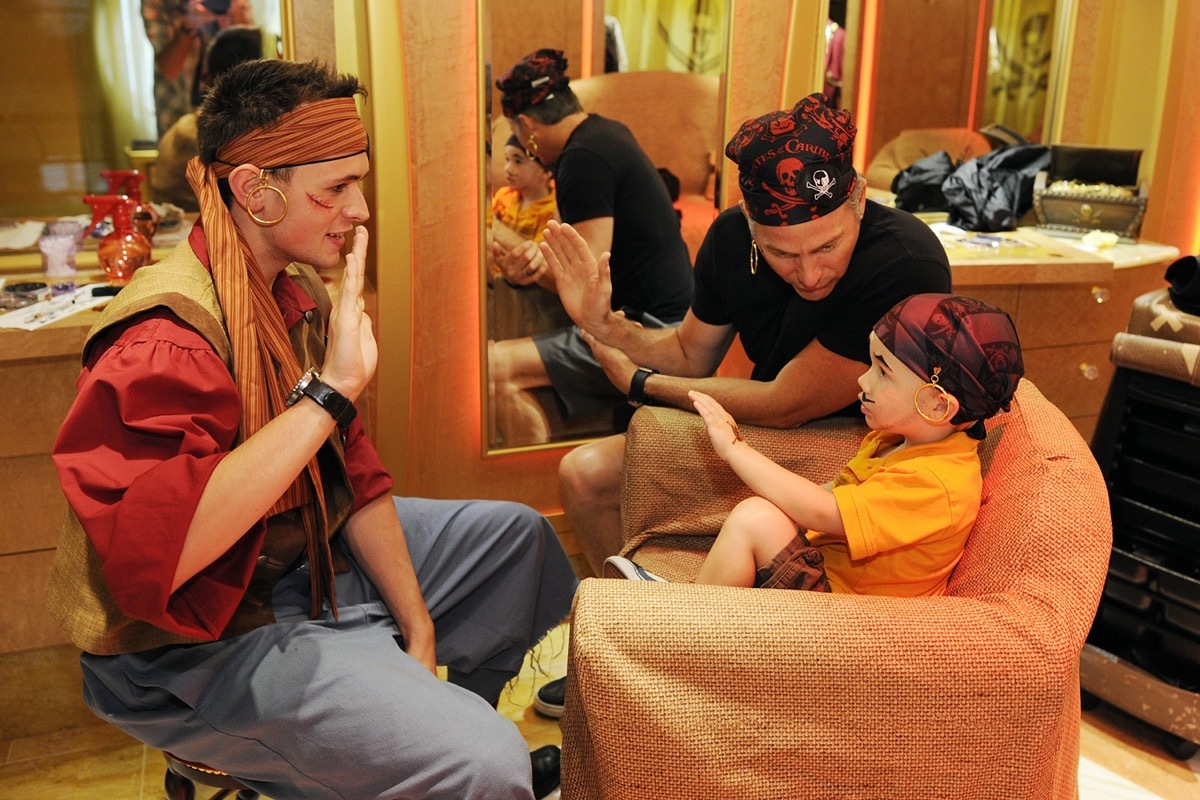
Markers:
point(1121, 757)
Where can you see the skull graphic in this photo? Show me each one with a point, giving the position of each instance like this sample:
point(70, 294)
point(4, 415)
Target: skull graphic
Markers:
point(821, 184)
point(787, 172)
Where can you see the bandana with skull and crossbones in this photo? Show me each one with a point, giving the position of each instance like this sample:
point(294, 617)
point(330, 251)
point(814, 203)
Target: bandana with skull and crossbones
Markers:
point(795, 166)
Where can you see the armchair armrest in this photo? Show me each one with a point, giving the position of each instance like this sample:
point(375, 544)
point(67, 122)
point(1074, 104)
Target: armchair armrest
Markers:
point(675, 484)
point(683, 691)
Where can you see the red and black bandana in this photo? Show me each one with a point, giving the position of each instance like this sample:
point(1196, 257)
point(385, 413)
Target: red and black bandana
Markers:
point(532, 80)
point(974, 343)
point(795, 166)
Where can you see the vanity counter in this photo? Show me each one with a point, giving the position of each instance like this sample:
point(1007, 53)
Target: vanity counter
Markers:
point(28, 261)
point(1068, 302)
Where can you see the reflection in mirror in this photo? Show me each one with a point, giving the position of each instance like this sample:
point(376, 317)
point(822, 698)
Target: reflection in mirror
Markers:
point(78, 91)
point(655, 68)
point(992, 65)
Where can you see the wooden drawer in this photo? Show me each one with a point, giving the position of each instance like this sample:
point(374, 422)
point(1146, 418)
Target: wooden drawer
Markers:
point(1079, 313)
point(40, 392)
point(26, 624)
point(33, 504)
point(1075, 378)
point(1005, 297)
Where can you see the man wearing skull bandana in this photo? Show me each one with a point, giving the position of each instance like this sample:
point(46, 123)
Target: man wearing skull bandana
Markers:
point(608, 188)
point(800, 271)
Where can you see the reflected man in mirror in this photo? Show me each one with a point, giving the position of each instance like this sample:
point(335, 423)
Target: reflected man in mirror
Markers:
point(800, 271)
point(168, 179)
point(613, 196)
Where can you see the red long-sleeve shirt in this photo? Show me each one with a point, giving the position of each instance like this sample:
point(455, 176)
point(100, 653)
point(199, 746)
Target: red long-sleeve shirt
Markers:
point(157, 410)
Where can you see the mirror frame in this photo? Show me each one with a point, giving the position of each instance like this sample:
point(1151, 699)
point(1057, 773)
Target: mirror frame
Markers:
point(485, 78)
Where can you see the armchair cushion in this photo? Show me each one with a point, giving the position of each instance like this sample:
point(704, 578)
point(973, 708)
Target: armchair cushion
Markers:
point(681, 691)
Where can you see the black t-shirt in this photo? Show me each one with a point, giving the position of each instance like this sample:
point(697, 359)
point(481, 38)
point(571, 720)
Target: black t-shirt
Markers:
point(896, 256)
point(603, 172)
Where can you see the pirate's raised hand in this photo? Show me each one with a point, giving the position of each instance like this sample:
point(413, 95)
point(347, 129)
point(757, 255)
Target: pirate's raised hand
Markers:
point(352, 353)
point(584, 283)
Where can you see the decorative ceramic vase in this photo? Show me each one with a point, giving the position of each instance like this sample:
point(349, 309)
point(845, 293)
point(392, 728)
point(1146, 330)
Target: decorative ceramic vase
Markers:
point(124, 249)
point(128, 182)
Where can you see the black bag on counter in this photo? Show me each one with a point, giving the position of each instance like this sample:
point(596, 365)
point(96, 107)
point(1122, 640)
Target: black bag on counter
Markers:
point(918, 187)
point(992, 192)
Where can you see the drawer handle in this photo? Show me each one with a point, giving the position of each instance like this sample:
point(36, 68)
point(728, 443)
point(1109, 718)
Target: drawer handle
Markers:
point(1101, 295)
point(1089, 371)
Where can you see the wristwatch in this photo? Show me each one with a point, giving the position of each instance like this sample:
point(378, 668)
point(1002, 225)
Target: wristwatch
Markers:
point(637, 387)
point(324, 395)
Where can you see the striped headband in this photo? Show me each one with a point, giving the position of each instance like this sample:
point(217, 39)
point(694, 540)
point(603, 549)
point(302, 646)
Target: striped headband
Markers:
point(322, 131)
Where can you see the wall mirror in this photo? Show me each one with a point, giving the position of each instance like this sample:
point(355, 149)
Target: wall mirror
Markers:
point(77, 89)
point(657, 67)
point(993, 63)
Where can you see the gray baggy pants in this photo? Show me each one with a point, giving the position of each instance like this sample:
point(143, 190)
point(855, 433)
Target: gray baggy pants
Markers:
point(336, 709)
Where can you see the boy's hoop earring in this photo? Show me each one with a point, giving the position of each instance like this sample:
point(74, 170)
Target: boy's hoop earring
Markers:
point(262, 184)
point(753, 257)
point(942, 395)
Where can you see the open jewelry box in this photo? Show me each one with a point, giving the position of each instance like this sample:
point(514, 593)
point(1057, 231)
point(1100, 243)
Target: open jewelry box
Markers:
point(1090, 189)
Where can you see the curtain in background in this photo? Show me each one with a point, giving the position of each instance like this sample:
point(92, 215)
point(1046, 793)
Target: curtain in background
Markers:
point(673, 35)
point(125, 68)
point(1021, 37)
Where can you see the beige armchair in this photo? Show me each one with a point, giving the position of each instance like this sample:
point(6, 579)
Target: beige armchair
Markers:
point(685, 691)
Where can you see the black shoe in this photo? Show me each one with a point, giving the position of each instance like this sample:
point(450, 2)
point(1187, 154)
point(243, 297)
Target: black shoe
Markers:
point(550, 698)
point(545, 761)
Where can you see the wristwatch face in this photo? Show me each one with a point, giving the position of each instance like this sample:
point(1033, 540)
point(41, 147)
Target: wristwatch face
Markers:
point(324, 395)
point(298, 390)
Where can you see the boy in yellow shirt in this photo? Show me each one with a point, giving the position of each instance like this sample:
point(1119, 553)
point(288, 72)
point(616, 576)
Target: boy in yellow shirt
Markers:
point(896, 519)
point(526, 202)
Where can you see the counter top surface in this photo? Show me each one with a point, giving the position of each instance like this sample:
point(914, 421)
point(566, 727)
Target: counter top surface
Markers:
point(1028, 255)
point(1023, 256)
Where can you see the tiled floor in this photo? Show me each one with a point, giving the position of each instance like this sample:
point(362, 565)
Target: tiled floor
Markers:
point(1121, 757)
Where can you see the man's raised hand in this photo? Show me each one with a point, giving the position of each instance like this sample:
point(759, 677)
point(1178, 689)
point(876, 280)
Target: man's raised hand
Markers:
point(584, 284)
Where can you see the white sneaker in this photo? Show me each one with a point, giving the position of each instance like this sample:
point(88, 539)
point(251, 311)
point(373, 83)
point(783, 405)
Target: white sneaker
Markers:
point(632, 571)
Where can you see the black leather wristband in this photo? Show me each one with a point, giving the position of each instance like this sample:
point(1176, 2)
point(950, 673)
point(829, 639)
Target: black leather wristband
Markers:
point(637, 387)
point(337, 404)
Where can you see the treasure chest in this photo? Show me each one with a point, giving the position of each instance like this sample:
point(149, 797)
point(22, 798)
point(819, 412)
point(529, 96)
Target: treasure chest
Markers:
point(1090, 189)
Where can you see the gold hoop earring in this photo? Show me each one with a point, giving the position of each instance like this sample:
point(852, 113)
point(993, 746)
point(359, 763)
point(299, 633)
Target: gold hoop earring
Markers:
point(942, 395)
point(753, 257)
point(531, 147)
point(262, 184)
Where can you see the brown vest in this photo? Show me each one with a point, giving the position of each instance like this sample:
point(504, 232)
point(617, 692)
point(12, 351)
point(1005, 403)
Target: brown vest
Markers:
point(77, 595)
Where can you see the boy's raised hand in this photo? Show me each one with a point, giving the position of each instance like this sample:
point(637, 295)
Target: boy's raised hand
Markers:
point(723, 431)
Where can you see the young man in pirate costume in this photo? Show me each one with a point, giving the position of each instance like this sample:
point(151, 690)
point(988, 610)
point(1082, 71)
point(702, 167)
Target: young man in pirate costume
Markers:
point(247, 592)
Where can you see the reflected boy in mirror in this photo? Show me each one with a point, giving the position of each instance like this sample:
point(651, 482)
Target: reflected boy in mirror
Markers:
point(521, 208)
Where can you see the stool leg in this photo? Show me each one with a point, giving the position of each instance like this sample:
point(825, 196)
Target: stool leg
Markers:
point(178, 787)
